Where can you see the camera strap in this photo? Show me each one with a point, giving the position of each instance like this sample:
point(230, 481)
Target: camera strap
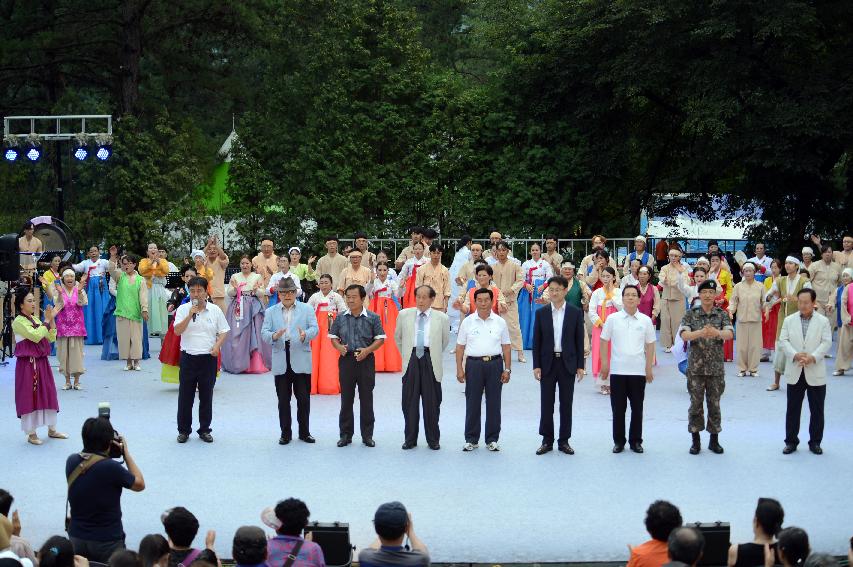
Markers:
point(294, 553)
point(89, 460)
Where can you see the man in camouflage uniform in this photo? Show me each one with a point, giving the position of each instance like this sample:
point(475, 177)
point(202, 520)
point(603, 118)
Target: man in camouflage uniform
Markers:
point(706, 327)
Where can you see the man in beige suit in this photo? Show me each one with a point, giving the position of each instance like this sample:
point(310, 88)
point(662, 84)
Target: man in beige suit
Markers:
point(422, 334)
point(805, 337)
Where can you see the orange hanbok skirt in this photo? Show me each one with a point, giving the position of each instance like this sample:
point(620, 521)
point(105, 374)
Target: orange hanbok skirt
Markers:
point(324, 358)
point(387, 357)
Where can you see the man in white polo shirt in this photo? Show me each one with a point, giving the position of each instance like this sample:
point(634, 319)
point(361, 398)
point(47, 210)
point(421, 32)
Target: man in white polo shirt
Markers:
point(632, 336)
point(485, 339)
point(202, 328)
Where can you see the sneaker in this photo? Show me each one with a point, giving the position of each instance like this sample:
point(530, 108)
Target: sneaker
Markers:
point(493, 446)
point(667, 350)
point(128, 367)
point(470, 447)
point(741, 374)
point(136, 366)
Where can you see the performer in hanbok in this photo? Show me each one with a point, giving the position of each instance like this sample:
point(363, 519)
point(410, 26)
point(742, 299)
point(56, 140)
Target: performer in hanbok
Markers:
point(382, 292)
point(170, 351)
point(35, 391)
point(155, 270)
point(722, 276)
point(537, 271)
point(605, 301)
point(70, 328)
point(324, 357)
point(201, 267)
point(217, 261)
point(785, 288)
point(462, 256)
point(639, 253)
point(30, 248)
point(672, 277)
point(108, 326)
point(465, 303)
point(265, 264)
point(551, 255)
point(382, 258)
point(305, 273)
point(409, 273)
point(97, 292)
point(284, 271)
point(600, 260)
point(49, 281)
point(770, 319)
point(131, 308)
point(649, 294)
point(844, 309)
point(761, 262)
point(747, 302)
point(509, 278)
point(244, 350)
point(631, 273)
point(163, 253)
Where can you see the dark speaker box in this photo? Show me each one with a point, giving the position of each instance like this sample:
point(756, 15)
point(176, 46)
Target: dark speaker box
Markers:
point(333, 538)
point(718, 537)
point(10, 262)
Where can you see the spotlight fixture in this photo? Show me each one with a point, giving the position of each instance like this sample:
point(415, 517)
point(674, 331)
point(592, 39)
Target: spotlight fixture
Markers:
point(11, 154)
point(81, 153)
point(104, 152)
point(33, 153)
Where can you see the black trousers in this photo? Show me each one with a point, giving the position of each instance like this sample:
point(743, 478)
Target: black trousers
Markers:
point(300, 386)
point(623, 389)
point(557, 377)
point(482, 377)
point(363, 375)
point(817, 397)
point(421, 387)
point(196, 371)
point(97, 551)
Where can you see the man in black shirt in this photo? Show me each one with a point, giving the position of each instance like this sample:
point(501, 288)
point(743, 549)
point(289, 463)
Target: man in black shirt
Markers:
point(356, 334)
point(94, 495)
point(181, 528)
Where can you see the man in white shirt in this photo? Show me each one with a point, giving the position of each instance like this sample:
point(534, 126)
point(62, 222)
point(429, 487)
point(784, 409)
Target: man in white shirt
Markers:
point(202, 328)
point(484, 337)
point(629, 366)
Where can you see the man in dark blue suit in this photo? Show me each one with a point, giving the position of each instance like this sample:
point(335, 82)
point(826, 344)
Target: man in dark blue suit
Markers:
point(558, 359)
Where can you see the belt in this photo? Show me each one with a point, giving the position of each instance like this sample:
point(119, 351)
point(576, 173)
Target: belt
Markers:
point(558, 355)
point(485, 358)
point(426, 349)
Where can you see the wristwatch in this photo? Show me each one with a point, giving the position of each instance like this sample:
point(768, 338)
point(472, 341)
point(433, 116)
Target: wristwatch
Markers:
point(508, 370)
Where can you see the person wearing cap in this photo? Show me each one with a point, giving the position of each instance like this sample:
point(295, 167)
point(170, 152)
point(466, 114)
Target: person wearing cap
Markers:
point(393, 524)
point(551, 255)
point(356, 334)
point(825, 274)
point(265, 264)
point(435, 275)
point(805, 337)
point(355, 274)
point(706, 327)
point(672, 278)
point(484, 338)
point(290, 326)
point(332, 263)
point(289, 518)
point(640, 253)
point(509, 278)
point(304, 272)
point(747, 302)
point(844, 309)
point(407, 252)
point(785, 289)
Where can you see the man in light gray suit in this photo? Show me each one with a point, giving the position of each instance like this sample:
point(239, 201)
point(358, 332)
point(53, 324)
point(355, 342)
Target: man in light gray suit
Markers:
point(804, 338)
point(422, 334)
point(289, 327)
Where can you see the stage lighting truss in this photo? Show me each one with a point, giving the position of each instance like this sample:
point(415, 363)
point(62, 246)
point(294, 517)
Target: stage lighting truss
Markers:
point(86, 142)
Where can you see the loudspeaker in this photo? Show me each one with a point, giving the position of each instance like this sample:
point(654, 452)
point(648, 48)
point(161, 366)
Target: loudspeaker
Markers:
point(718, 537)
point(333, 539)
point(10, 262)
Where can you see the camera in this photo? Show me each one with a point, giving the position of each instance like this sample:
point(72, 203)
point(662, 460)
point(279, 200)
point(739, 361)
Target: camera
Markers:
point(117, 446)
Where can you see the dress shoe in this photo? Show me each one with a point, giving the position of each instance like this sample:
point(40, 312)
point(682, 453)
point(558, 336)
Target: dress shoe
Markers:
point(714, 444)
point(697, 445)
point(566, 448)
point(815, 448)
point(283, 440)
point(307, 439)
point(183, 438)
point(369, 442)
point(407, 445)
point(618, 448)
point(636, 447)
point(206, 437)
point(344, 441)
point(789, 449)
point(434, 446)
point(544, 448)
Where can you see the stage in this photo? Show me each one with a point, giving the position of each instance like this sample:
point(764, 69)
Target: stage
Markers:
point(511, 506)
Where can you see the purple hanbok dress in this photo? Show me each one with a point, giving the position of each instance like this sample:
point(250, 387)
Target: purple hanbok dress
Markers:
point(244, 352)
point(35, 391)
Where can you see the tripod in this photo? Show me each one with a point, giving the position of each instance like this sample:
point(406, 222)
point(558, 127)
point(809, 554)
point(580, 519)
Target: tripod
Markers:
point(7, 336)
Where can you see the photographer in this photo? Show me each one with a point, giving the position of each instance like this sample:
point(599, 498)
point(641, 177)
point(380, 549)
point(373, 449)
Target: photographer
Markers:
point(94, 492)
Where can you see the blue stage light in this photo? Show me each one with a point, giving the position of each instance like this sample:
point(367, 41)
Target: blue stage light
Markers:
point(104, 153)
point(11, 154)
point(33, 153)
point(81, 153)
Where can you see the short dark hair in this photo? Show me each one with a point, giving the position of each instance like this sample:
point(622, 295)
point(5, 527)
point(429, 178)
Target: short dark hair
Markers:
point(435, 247)
point(484, 267)
point(125, 558)
point(6, 501)
point(416, 230)
point(198, 281)
point(610, 270)
point(186, 268)
point(809, 291)
point(602, 254)
point(715, 254)
point(661, 518)
point(501, 244)
point(550, 237)
point(700, 269)
point(293, 515)
point(361, 291)
point(97, 435)
point(21, 294)
point(330, 238)
point(769, 515)
point(249, 546)
point(152, 548)
point(57, 551)
point(632, 286)
point(686, 545)
point(431, 290)
point(28, 225)
point(794, 543)
point(360, 235)
point(181, 526)
point(483, 290)
point(559, 280)
point(207, 558)
point(325, 276)
point(430, 233)
point(825, 248)
point(131, 257)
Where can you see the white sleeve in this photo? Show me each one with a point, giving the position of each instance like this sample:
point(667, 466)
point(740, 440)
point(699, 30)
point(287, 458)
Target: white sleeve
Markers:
point(607, 329)
point(592, 309)
point(462, 335)
point(221, 323)
point(650, 332)
point(181, 314)
point(505, 340)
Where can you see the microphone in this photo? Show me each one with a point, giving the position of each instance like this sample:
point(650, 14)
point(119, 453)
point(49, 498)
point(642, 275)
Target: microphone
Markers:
point(195, 303)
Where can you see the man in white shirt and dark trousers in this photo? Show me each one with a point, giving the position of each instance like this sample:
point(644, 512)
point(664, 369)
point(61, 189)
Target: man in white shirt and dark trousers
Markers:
point(631, 335)
point(484, 338)
point(202, 328)
point(422, 334)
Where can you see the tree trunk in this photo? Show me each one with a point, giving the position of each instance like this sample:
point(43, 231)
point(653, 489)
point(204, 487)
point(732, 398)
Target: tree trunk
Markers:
point(131, 16)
